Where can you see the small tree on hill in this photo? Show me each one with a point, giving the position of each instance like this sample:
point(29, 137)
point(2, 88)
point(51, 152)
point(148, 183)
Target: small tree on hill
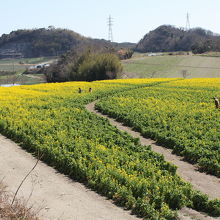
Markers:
point(184, 74)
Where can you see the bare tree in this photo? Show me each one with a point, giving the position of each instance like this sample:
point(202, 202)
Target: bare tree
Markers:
point(38, 159)
point(153, 74)
point(184, 73)
point(14, 79)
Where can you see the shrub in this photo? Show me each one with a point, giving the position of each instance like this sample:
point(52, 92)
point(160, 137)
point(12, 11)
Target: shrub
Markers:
point(99, 67)
point(87, 66)
point(214, 207)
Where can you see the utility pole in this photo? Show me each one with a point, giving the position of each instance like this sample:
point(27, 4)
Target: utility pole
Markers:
point(187, 22)
point(110, 34)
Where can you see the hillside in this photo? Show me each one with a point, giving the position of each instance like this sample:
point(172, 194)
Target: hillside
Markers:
point(169, 38)
point(171, 66)
point(47, 42)
point(38, 42)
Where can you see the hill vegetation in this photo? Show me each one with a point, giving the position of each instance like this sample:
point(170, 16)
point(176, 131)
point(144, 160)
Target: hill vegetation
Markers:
point(47, 42)
point(57, 41)
point(169, 38)
point(38, 42)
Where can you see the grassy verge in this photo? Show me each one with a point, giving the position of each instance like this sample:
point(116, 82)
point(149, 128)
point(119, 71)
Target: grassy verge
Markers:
point(171, 66)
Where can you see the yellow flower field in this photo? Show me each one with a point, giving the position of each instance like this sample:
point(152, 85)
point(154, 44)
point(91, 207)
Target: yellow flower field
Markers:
point(179, 114)
point(51, 119)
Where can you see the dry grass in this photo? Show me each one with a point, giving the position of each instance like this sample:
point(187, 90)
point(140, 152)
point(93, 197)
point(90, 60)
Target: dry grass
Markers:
point(19, 210)
point(172, 66)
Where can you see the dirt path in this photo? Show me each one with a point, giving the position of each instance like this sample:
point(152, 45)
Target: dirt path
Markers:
point(203, 182)
point(32, 76)
point(57, 196)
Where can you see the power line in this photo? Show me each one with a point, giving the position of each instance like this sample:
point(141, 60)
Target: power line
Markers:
point(110, 23)
point(187, 22)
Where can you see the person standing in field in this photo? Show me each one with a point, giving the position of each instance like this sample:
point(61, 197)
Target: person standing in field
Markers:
point(90, 89)
point(216, 100)
point(80, 90)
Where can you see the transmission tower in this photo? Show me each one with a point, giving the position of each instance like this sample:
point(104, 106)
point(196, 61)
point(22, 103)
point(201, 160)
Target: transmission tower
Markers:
point(110, 34)
point(187, 22)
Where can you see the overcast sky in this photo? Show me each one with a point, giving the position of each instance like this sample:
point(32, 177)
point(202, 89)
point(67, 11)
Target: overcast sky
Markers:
point(132, 18)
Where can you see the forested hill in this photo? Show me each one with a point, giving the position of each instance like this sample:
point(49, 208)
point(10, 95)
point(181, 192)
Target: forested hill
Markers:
point(56, 41)
point(169, 38)
point(46, 42)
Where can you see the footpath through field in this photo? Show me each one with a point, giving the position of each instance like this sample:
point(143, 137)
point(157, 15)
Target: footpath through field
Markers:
point(55, 195)
point(203, 182)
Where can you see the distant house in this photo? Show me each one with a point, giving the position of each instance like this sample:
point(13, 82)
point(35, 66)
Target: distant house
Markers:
point(46, 65)
point(154, 54)
point(39, 66)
